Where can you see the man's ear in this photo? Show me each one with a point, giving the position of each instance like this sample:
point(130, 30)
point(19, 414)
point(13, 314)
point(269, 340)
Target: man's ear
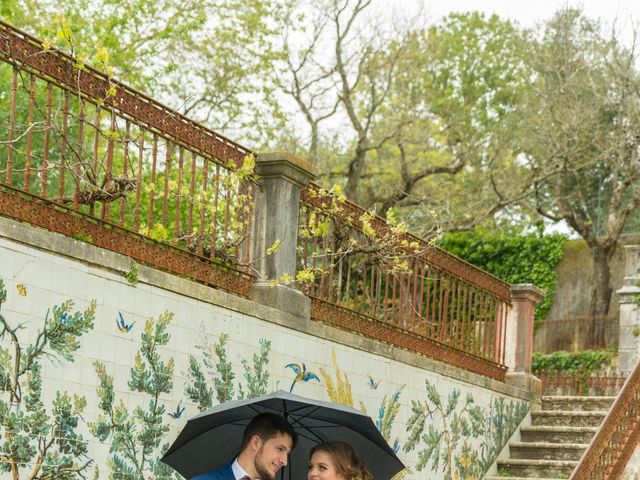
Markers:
point(255, 443)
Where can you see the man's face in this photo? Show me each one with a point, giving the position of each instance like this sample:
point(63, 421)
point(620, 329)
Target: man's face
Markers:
point(273, 455)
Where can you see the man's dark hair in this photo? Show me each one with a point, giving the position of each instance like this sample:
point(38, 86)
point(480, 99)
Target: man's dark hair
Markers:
point(267, 426)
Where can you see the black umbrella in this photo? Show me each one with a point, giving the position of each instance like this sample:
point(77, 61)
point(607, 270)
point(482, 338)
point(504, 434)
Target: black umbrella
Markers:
point(212, 438)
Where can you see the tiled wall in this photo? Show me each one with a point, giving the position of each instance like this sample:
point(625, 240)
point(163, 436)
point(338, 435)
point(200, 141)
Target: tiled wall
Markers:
point(399, 396)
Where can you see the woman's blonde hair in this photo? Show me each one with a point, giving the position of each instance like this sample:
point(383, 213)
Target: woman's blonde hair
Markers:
point(347, 463)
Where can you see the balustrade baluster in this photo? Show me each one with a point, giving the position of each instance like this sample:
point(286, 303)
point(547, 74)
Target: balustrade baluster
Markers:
point(47, 140)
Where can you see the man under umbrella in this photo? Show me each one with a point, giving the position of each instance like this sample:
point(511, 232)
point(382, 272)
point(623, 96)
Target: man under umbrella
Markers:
point(210, 440)
point(266, 443)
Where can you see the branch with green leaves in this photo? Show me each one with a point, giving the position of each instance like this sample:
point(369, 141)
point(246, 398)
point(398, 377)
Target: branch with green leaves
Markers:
point(41, 441)
point(136, 436)
point(449, 428)
point(211, 373)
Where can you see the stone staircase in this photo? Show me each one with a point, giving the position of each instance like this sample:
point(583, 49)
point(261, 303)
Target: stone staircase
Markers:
point(552, 445)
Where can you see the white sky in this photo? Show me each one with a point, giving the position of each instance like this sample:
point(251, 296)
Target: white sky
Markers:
point(529, 12)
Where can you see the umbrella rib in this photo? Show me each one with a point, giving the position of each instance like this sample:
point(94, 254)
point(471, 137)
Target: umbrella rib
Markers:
point(311, 432)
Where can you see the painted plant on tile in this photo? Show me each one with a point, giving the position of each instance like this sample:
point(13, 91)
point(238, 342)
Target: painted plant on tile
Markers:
point(41, 440)
point(137, 437)
point(211, 373)
point(452, 424)
point(448, 434)
point(339, 390)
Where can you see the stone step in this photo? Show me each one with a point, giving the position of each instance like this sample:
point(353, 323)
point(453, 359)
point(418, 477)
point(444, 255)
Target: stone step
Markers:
point(555, 434)
point(577, 403)
point(556, 469)
point(547, 451)
point(572, 419)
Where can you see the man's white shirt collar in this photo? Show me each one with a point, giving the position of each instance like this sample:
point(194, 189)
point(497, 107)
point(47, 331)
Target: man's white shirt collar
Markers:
point(238, 471)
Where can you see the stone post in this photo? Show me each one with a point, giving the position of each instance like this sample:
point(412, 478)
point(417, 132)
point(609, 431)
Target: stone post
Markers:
point(519, 336)
point(276, 220)
point(629, 326)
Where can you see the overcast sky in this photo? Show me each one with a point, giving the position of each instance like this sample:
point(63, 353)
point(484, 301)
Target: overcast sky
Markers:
point(528, 12)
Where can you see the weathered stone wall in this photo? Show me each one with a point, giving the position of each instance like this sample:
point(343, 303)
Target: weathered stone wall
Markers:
point(567, 324)
point(403, 392)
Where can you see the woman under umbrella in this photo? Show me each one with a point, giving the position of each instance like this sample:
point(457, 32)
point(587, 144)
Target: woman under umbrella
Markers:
point(336, 461)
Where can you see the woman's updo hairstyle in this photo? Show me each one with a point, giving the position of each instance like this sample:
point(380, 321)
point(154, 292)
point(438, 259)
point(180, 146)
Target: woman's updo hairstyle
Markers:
point(347, 463)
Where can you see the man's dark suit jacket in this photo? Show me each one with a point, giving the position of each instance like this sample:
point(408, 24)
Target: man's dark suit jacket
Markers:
point(224, 473)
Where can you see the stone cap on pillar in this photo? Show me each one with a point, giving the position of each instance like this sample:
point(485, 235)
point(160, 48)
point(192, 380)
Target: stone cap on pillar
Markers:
point(285, 165)
point(526, 291)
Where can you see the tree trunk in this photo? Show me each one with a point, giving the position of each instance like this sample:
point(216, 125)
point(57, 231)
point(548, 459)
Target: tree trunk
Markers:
point(600, 294)
point(354, 172)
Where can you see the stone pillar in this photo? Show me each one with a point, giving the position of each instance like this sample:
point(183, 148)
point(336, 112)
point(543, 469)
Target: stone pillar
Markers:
point(276, 220)
point(629, 326)
point(519, 336)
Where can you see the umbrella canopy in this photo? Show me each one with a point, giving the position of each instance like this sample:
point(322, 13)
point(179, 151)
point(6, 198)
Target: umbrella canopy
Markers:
point(211, 439)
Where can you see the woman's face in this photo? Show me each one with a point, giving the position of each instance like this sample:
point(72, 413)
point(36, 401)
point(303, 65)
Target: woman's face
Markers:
point(322, 467)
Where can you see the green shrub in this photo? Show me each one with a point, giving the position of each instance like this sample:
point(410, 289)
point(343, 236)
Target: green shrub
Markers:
point(513, 257)
point(585, 362)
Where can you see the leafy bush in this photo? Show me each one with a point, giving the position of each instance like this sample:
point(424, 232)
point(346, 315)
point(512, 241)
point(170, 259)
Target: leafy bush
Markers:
point(513, 257)
point(585, 362)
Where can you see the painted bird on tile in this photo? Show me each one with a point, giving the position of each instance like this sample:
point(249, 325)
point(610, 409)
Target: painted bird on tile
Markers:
point(302, 375)
point(178, 413)
point(122, 325)
point(373, 384)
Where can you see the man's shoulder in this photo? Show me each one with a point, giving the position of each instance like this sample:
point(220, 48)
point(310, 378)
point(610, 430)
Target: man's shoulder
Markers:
point(224, 473)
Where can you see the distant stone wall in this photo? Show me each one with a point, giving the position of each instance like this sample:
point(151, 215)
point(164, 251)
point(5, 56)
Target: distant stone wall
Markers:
point(253, 348)
point(567, 321)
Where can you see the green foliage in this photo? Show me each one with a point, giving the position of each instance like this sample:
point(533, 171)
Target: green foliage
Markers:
point(136, 436)
point(82, 236)
point(198, 390)
point(41, 441)
point(513, 257)
point(256, 375)
point(211, 373)
point(500, 422)
point(587, 361)
point(132, 275)
point(449, 428)
point(452, 423)
point(224, 380)
point(174, 57)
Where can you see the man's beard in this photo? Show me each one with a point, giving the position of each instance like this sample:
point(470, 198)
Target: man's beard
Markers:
point(261, 468)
